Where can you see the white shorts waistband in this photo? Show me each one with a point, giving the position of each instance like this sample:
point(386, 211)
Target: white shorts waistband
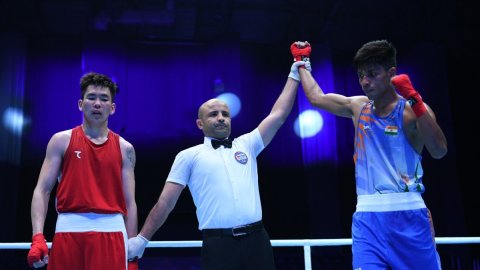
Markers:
point(390, 202)
point(84, 222)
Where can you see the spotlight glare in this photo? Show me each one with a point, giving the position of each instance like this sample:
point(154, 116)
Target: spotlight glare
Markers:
point(14, 120)
point(308, 124)
point(233, 103)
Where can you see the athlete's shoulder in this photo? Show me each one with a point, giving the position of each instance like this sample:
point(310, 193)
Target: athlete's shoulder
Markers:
point(125, 145)
point(60, 141)
point(63, 135)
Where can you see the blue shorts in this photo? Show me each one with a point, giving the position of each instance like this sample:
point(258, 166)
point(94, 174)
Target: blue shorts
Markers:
point(393, 239)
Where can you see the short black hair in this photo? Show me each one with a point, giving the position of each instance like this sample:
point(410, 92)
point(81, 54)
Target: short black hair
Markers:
point(97, 79)
point(379, 52)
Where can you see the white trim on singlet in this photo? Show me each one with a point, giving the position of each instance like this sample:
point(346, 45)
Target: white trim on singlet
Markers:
point(84, 222)
point(390, 202)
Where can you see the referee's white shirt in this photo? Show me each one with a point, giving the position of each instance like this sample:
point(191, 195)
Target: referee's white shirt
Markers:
point(223, 182)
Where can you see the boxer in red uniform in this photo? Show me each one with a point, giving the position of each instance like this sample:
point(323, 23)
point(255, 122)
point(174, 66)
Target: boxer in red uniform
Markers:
point(95, 198)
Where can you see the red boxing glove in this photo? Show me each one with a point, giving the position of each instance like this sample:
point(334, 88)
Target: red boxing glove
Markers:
point(38, 254)
point(133, 265)
point(300, 54)
point(404, 86)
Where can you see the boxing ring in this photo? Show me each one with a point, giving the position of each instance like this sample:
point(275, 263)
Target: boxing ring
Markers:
point(305, 243)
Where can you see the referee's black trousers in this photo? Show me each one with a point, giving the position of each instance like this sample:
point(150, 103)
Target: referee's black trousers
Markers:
point(252, 251)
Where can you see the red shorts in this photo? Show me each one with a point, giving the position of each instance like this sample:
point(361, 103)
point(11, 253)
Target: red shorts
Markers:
point(88, 250)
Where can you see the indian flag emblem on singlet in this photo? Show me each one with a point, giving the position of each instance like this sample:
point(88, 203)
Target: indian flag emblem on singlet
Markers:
point(391, 130)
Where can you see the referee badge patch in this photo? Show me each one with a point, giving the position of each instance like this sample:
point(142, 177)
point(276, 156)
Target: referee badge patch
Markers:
point(241, 157)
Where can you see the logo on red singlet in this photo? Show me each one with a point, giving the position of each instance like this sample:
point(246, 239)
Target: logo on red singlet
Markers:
point(241, 157)
point(78, 154)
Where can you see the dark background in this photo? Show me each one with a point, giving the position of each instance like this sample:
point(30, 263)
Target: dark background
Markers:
point(166, 57)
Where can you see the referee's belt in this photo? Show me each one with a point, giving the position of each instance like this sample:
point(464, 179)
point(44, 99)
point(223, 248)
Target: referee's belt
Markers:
point(235, 231)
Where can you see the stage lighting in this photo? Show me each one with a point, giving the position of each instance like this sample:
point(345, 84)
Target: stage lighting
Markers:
point(308, 124)
point(14, 120)
point(233, 102)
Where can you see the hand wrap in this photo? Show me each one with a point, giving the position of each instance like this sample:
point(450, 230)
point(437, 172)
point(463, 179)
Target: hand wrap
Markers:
point(404, 86)
point(299, 54)
point(38, 254)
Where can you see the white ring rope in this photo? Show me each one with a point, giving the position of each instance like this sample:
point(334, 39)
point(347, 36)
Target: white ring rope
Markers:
point(275, 243)
point(305, 243)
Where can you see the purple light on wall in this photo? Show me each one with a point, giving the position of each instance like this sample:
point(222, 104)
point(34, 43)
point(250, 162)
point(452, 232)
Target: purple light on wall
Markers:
point(323, 145)
point(161, 84)
point(52, 89)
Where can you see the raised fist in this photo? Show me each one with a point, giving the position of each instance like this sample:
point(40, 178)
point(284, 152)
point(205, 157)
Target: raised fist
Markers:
point(300, 50)
point(405, 88)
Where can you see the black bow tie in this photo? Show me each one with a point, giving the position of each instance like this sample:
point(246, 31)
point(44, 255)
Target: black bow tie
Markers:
point(227, 143)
